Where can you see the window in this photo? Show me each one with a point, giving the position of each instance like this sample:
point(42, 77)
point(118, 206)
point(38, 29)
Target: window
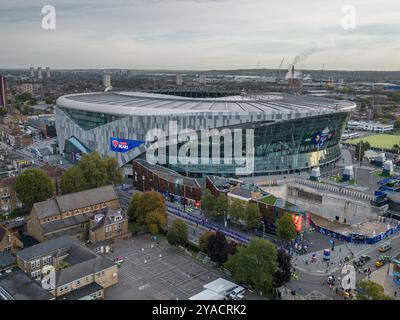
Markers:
point(36, 275)
point(35, 264)
point(78, 282)
point(108, 229)
point(46, 260)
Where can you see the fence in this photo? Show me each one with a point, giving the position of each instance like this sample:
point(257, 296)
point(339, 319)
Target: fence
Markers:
point(354, 238)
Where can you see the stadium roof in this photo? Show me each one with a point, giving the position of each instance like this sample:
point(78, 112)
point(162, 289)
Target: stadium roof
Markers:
point(140, 103)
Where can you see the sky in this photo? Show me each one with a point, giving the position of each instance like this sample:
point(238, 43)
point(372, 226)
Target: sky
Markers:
point(202, 34)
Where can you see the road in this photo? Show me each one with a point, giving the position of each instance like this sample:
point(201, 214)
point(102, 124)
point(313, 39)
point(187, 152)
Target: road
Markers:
point(308, 283)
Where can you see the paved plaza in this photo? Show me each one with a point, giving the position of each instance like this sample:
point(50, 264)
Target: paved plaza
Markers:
point(152, 271)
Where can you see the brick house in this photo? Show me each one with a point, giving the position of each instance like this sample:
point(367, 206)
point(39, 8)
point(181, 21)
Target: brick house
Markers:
point(69, 214)
point(9, 240)
point(108, 224)
point(79, 272)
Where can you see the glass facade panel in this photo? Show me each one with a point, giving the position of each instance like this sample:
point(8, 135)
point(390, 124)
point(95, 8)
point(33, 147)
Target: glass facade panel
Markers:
point(89, 120)
point(284, 147)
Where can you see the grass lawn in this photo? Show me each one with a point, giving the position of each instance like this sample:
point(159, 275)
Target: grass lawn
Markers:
point(383, 141)
point(268, 199)
point(340, 180)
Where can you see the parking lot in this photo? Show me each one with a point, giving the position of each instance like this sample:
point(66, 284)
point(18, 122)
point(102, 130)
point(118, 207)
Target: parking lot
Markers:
point(152, 271)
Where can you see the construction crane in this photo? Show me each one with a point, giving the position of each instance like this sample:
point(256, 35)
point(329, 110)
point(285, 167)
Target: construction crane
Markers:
point(279, 69)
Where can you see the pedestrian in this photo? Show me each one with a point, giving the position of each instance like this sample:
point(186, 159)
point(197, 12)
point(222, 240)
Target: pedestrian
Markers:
point(395, 294)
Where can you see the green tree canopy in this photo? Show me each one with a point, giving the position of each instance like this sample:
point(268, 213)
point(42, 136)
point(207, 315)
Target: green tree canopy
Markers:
point(178, 234)
point(254, 264)
point(283, 272)
point(149, 209)
point(369, 290)
point(155, 221)
point(252, 215)
point(360, 149)
point(133, 205)
point(285, 228)
point(208, 202)
point(203, 240)
point(72, 181)
point(96, 172)
point(34, 186)
point(236, 210)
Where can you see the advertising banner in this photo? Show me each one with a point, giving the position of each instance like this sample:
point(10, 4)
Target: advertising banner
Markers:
point(124, 145)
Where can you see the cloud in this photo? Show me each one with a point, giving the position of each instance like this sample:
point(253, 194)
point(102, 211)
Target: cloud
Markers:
point(199, 34)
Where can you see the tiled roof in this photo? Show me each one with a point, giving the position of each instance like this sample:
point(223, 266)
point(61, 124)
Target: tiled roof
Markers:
point(74, 201)
point(86, 198)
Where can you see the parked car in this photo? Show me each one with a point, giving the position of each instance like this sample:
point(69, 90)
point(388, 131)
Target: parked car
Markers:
point(385, 247)
point(382, 261)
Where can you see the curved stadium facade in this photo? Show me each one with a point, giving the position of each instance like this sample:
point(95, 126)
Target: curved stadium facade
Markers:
point(291, 132)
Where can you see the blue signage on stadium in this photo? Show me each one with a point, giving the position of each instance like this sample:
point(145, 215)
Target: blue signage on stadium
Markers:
point(123, 145)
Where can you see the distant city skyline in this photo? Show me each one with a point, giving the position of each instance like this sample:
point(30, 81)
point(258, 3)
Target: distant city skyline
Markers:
point(201, 35)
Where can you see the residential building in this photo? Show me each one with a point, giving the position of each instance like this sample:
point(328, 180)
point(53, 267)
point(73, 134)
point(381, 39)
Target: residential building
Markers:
point(19, 286)
point(26, 88)
point(108, 224)
point(9, 240)
point(69, 214)
point(370, 126)
point(79, 272)
point(8, 196)
point(14, 136)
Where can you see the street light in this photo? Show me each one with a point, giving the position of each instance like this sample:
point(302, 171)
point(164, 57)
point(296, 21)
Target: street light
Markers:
point(390, 259)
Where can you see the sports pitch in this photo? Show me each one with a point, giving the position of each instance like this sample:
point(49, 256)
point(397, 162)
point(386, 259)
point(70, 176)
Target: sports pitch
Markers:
point(381, 141)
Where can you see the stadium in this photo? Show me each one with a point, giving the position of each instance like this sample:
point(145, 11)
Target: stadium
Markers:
point(291, 132)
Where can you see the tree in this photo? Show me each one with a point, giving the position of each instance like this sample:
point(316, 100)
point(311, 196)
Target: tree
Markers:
point(217, 247)
point(3, 113)
point(34, 186)
point(155, 221)
point(285, 228)
point(283, 272)
point(203, 240)
point(178, 233)
point(236, 210)
point(254, 264)
point(148, 209)
point(369, 290)
point(208, 203)
point(72, 180)
point(252, 215)
point(396, 148)
point(149, 202)
point(221, 207)
point(112, 170)
point(133, 205)
point(361, 147)
point(93, 170)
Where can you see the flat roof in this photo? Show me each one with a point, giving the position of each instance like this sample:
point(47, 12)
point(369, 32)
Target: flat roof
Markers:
point(18, 286)
point(220, 285)
point(207, 294)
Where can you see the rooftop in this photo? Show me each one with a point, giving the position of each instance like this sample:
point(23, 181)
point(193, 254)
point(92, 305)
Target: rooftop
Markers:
point(168, 174)
point(18, 286)
point(74, 201)
point(134, 103)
